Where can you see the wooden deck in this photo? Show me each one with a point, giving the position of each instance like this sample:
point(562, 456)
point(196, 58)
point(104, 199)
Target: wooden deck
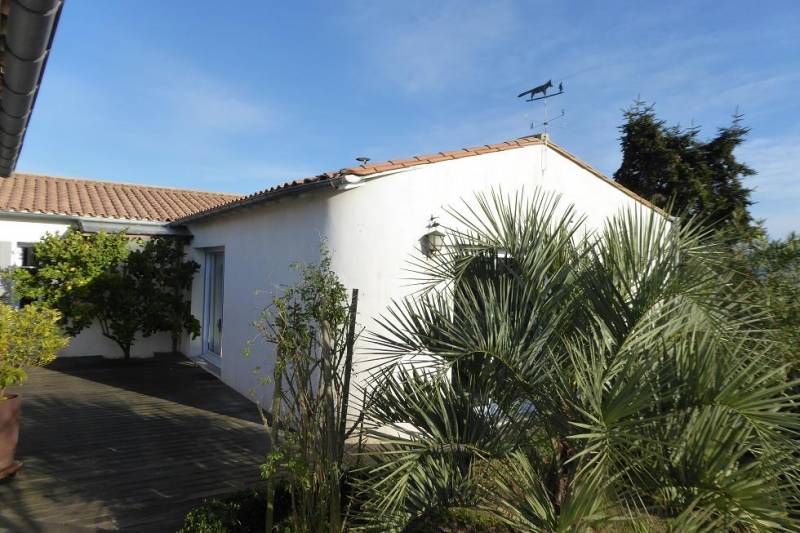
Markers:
point(113, 446)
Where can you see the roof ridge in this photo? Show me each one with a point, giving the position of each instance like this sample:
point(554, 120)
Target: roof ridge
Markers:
point(367, 170)
point(72, 179)
point(416, 160)
point(398, 164)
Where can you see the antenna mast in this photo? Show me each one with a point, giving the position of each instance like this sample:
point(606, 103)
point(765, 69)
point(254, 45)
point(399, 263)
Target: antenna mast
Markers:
point(532, 97)
point(542, 90)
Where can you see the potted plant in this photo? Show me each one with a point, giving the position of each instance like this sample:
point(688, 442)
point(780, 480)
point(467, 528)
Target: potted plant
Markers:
point(28, 337)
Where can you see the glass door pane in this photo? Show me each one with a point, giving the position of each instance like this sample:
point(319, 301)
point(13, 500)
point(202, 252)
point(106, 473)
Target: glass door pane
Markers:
point(215, 263)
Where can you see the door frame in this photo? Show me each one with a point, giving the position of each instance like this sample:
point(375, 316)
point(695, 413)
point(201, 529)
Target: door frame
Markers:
point(206, 353)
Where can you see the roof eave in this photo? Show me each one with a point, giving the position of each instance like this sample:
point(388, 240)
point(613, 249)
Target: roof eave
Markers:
point(108, 224)
point(74, 218)
point(28, 34)
point(329, 183)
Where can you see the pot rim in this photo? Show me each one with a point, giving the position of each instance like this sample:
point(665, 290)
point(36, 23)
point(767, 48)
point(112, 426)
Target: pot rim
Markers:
point(8, 397)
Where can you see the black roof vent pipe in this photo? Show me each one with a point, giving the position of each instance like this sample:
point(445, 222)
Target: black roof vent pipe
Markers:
point(27, 36)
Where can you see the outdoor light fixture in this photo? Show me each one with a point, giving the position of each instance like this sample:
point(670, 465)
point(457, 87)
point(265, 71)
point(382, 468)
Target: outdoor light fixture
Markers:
point(433, 241)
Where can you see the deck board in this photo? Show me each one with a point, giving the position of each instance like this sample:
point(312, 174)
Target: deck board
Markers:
point(112, 446)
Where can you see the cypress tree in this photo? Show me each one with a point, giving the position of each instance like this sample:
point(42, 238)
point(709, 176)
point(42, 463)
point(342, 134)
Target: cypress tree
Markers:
point(674, 169)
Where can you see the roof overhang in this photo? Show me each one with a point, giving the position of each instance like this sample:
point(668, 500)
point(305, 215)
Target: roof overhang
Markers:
point(27, 29)
point(132, 227)
point(313, 184)
point(98, 224)
point(344, 180)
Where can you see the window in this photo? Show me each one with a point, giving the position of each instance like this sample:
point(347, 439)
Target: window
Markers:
point(27, 255)
point(214, 292)
point(489, 270)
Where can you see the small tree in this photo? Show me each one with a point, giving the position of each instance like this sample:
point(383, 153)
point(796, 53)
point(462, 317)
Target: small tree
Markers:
point(28, 337)
point(65, 268)
point(96, 277)
point(119, 303)
point(165, 279)
point(313, 330)
point(85, 277)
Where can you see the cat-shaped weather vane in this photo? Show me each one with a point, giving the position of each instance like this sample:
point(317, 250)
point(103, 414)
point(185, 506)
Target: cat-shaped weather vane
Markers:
point(541, 89)
point(532, 95)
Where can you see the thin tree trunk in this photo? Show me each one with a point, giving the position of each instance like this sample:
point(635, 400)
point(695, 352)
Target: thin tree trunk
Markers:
point(277, 400)
point(563, 471)
point(348, 370)
point(331, 432)
point(126, 348)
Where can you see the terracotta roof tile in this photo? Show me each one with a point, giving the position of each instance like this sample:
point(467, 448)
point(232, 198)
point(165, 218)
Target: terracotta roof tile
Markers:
point(405, 162)
point(384, 166)
point(457, 154)
point(397, 164)
point(435, 158)
point(364, 170)
point(33, 193)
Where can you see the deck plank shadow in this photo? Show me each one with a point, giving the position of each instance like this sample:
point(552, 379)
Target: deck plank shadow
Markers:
point(110, 446)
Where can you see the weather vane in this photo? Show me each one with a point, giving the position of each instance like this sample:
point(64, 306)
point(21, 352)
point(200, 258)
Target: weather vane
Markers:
point(542, 89)
point(532, 95)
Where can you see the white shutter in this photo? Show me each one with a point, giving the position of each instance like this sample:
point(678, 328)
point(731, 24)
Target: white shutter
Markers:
point(5, 254)
point(5, 262)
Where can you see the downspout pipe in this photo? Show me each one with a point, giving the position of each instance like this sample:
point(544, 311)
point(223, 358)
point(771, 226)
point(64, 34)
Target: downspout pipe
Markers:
point(27, 37)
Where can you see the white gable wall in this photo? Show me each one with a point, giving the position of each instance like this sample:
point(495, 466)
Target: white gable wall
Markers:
point(371, 231)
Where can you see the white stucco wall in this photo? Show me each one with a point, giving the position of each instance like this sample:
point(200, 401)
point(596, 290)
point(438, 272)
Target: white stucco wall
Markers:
point(19, 230)
point(371, 231)
point(259, 244)
point(92, 342)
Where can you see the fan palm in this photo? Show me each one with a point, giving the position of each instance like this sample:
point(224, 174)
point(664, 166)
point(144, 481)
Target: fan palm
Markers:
point(567, 380)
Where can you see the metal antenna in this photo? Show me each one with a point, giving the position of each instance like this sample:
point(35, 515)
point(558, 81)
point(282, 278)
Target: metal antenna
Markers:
point(546, 123)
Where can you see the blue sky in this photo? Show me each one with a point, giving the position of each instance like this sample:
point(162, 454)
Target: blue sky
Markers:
point(237, 96)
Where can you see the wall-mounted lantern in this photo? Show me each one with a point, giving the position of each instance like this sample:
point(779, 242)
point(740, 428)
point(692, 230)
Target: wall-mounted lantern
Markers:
point(433, 241)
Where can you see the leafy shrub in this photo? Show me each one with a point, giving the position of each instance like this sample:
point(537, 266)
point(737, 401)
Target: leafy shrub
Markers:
point(64, 270)
point(313, 330)
point(28, 337)
point(242, 512)
point(164, 278)
point(456, 520)
point(773, 267)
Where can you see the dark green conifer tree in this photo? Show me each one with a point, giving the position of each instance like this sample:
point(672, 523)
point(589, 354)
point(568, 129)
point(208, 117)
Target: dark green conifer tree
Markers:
point(673, 168)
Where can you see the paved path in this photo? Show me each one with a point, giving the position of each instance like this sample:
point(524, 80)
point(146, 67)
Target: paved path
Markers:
point(109, 445)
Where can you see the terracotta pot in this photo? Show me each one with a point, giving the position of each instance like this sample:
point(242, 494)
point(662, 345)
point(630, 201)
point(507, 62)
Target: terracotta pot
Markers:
point(9, 430)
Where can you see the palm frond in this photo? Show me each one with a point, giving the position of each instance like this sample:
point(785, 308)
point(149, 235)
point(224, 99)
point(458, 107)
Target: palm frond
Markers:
point(571, 379)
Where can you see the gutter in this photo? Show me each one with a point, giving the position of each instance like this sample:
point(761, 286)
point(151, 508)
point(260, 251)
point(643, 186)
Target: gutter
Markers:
point(30, 26)
point(97, 224)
